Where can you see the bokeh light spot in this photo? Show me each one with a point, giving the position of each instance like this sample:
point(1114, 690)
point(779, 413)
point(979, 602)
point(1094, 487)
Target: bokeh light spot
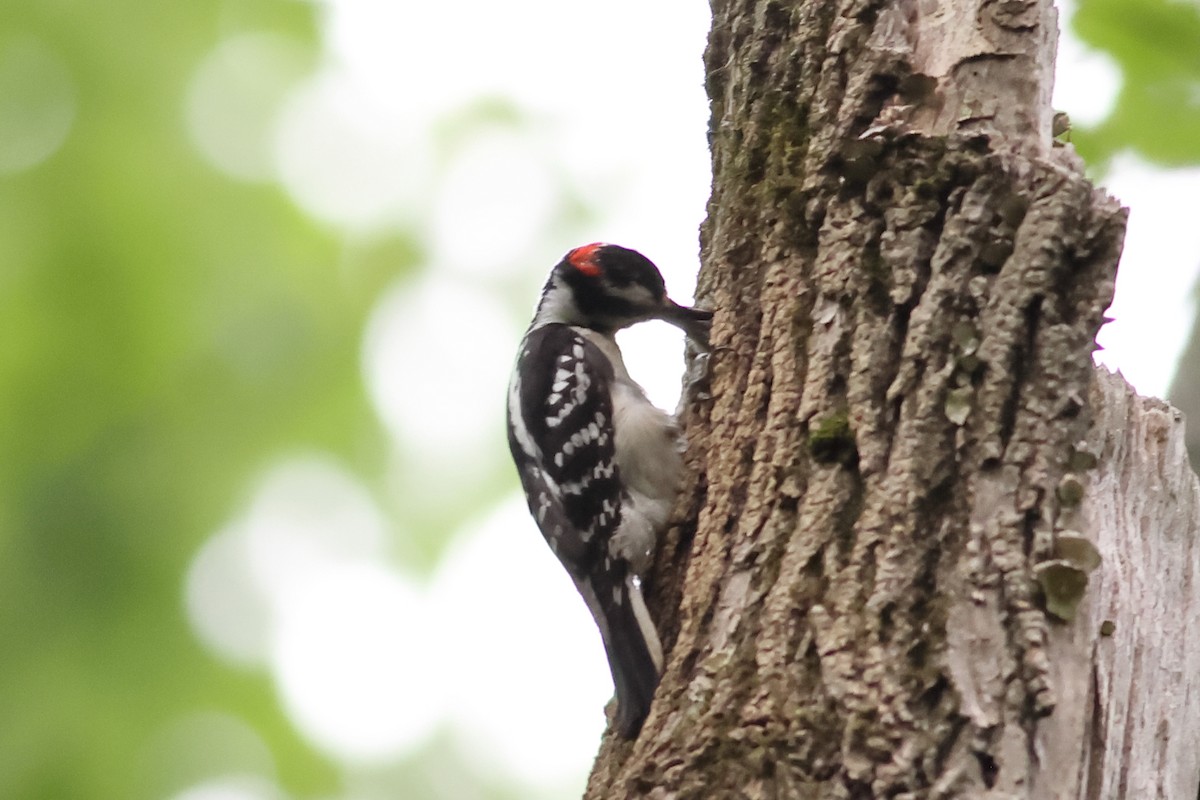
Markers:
point(356, 666)
point(225, 604)
point(306, 514)
point(349, 160)
point(437, 356)
point(521, 651)
point(233, 787)
point(300, 578)
point(37, 103)
point(309, 513)
point(234, 100)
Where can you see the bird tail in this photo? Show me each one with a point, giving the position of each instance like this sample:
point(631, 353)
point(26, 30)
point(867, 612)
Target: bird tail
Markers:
point(631, 643)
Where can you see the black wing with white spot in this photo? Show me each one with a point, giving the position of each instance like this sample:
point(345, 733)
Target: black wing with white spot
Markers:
point(562, 439)
point(566, 452)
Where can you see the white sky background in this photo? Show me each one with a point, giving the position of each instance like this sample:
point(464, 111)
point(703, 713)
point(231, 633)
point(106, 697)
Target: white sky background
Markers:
point(369, 661)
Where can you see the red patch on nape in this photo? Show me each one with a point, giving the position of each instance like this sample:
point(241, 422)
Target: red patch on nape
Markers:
point(584, 259)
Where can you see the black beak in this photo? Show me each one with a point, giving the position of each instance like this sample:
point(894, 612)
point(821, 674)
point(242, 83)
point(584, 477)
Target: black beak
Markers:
point(695, 322)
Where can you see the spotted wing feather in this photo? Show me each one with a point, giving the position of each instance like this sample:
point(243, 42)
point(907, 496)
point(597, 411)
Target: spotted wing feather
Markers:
point(569, 457)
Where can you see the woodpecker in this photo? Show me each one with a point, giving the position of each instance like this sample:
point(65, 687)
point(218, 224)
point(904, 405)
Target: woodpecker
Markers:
point(599, 463)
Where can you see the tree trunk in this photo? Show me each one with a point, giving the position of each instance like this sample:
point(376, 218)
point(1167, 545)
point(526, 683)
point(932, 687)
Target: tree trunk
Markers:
point(904, 463)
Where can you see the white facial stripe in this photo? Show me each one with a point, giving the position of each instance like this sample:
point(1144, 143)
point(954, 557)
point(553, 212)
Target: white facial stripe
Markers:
point(636, 294)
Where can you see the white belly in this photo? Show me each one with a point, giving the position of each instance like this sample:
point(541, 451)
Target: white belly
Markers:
point(648, 457)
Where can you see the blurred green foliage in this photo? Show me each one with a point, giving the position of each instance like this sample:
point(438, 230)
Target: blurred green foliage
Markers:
point(163, 331)
point(1156, 46)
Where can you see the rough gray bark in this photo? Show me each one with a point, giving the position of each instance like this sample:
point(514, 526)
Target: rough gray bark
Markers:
point(1142, 508)
point(887, 446)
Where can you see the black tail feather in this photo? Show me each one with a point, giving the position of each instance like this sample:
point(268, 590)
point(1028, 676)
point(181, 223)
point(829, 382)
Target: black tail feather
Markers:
point(631, 643)
point(635, 675)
